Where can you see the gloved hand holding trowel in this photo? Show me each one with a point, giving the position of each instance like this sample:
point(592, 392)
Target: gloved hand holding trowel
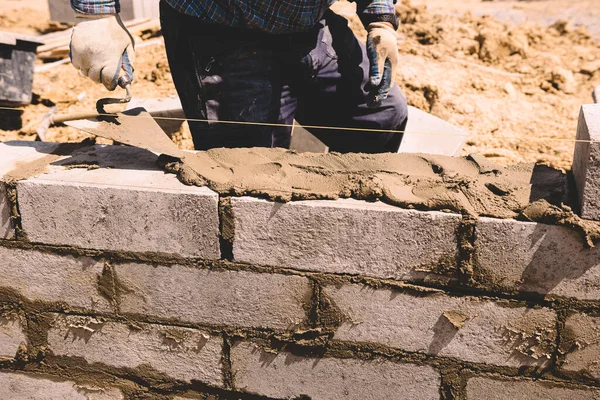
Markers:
point(263, 62)
point(102, 48)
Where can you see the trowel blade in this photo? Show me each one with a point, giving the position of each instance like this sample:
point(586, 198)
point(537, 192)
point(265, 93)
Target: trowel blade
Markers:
point(134, 127)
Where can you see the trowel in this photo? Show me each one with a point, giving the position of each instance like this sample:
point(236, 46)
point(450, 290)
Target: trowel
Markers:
point(135, 127)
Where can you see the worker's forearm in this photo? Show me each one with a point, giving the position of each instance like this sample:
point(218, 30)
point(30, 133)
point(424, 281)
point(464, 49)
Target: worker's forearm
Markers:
point(96, 6)
point(377, 11)
point(376, 6)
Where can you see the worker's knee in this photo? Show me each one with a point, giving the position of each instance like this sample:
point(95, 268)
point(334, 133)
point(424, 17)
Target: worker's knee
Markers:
point(392, 116)
point(395, 110)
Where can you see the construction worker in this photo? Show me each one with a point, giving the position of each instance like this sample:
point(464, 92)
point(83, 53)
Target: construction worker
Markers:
point(264, 61)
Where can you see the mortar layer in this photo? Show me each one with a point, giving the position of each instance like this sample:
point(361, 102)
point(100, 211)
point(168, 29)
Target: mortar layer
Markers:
point(471, 185)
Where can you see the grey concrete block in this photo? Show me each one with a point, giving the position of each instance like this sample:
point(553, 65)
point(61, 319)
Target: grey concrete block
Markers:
point(125, 210)
point(11, 336)
point(16, 385)
point(69, 280)
point(126, 204)
point(525, 389)
point(344, 236)
point(180, 353)
point(582, 344)
point(233, 298)
point(586, 161)
point(286, 376)
point(532, 257)
point(466, 328)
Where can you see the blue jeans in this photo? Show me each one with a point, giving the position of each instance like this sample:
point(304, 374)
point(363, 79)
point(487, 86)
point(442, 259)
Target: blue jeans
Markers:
point(319, 77)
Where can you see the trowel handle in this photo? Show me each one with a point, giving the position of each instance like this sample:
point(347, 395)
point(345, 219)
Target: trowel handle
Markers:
point(59, 119)
point(123, 82)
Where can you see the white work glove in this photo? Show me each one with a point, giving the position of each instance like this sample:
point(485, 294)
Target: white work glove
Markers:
point(382, 50)
point(100, 47)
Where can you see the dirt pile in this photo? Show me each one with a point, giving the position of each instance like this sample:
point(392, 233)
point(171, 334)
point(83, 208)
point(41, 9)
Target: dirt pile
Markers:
point(29, 20)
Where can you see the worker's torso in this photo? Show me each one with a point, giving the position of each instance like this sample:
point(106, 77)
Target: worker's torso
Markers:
point(274, 16)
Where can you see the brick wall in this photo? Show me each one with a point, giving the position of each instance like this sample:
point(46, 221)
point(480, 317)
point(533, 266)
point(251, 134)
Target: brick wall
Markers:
point(118, 282)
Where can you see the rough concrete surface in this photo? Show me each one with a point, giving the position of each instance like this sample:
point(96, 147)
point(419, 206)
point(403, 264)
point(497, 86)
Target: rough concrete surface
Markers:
point(586, 161)
point(234, 298)
point(182, 221)
point(11, 336)
point(467, 328)
point(184, 354)
point(343, 236)
point(538, 258)
point(19, 386)
point(491, 389)
point(54, 278)
point(582, 344)
point(6, 229)
point(288, 376)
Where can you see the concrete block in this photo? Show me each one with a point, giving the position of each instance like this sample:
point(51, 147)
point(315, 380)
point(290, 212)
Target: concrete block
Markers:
point(426, 133)
point(7, 231)
point(21, 386)
point(586, 161)
point(180, 353)
point(126, 210)
point(11, 336)
point(233, 298)
point(344, 236)
point(539, 258)
point(525, 389)
point(466, 328)
point(53, 278)
point(288, 376)
point(581, 343)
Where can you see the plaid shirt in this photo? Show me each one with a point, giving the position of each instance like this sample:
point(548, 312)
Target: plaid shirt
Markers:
point(274, 16)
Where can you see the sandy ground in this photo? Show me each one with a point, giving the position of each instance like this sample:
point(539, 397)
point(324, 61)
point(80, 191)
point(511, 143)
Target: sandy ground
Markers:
point(545, 12)
point(503, 70)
